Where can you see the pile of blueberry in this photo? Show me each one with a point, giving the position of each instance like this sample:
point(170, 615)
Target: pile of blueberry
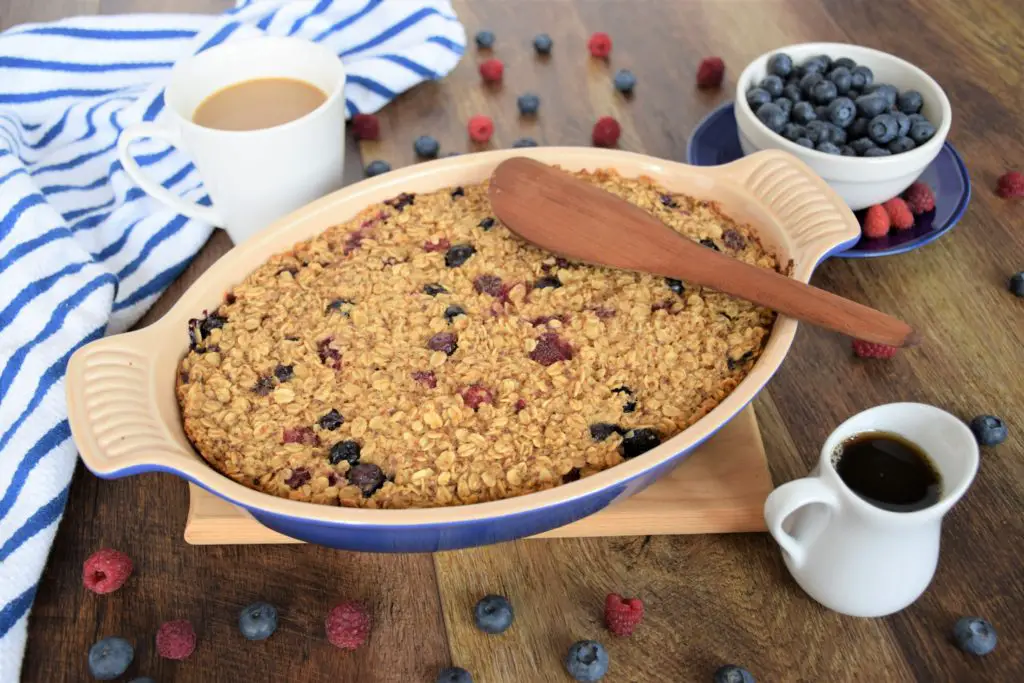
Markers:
point(834, 106)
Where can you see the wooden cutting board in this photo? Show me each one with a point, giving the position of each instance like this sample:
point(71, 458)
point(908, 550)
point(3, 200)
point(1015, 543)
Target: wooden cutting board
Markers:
point(720, 488)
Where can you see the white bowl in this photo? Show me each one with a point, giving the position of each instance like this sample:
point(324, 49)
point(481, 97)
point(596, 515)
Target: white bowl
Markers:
point(860, 181)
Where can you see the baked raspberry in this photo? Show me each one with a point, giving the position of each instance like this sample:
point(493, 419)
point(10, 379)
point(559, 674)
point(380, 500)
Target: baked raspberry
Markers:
point(366, 127)
point(492, 70)
point(622, 615)
point(876, 222)
point(488, 284)
point(176, 639)
point(919, 198)
point(520, 405)
point(899, 214)
point(864, 349)
point(426, 378)
point(476, 395)
point(440, 245)
point(348, 625)
point(106, 570)
point(710, 72)
point(551, 349)
point(1010, 185)
point(600, 45)
point(329, 356)
point(303, 435)
point(606, 132)
point(300, 477)
point(444, 341)
point(481, 128)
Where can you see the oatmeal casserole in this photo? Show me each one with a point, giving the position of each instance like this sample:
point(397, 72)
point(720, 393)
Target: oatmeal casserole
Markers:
point(421, 354)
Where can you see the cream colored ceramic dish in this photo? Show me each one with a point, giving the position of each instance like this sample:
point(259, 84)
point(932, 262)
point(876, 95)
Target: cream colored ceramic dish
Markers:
point(121, 390)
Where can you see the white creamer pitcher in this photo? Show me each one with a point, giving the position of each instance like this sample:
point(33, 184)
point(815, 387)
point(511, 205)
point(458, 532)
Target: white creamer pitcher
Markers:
point(852, 556)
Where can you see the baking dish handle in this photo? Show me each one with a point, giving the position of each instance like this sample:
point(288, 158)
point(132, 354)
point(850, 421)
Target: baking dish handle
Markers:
point(115, 409)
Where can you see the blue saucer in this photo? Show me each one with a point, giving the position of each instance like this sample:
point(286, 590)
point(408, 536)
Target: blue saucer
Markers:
point(714, 141)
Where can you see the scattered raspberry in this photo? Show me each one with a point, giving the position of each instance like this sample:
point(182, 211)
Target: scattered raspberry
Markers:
point(622, 615)
point(366, 127)
point(919, 198)
point(348, 625)
point(606, 132)
point(710, 72)
point(551, 349)
point(863, 349)
point(600, 45)
point(899, 214)
point(106, 570)
point(876, 222)
point(481, 128)
point(176, 639)
point(492, 70)
point(476, 395)
point(1011, 184)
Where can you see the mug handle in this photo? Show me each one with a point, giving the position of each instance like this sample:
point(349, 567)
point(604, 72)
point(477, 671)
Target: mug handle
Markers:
point(787, 499)
point(146, 129)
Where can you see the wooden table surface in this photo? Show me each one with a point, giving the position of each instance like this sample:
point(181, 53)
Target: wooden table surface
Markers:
point(710, 599)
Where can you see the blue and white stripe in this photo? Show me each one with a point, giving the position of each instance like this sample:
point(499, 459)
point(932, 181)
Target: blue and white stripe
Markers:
point(83, 252)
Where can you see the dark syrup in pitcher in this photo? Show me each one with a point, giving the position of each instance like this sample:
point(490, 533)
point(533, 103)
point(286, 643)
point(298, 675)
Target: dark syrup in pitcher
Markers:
point(888, 471)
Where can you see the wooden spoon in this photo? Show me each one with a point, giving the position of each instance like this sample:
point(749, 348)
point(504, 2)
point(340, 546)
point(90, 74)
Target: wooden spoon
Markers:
point(581, 221)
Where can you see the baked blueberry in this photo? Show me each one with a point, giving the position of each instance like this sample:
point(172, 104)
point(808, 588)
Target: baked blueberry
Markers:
point(109, 658)
point(842, 112)
point(453, 312)
point(803, 113)
point(599, 431)
point(587, 661)
point(901, 144)
point(367, 477)
point(547, 282)
point(921, 132)
point(861, 76)
point(772, 116)
point(493, 614)
point(870, 106)
point(876, 152)
point(283, 373)
point(841, 77)
point(989, 430)
point(331, 420)
point(638, 441)
point(785, 104)
point(426, 147)
point(347, 450)
point(883, 128)
point(486, 224)
point(542, 43)
point(377, 167)
point(974, 635)
point(434, 288)
point(458, 254)
point(756, 97)
point(258, 621)
point(780, 64)
point(827, 148)
point(772, 84)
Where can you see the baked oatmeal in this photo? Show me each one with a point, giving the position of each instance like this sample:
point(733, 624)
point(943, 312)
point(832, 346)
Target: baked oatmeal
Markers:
point(421, 354)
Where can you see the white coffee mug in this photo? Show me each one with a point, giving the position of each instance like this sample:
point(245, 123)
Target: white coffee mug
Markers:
point(852, 556)
point(254, 176)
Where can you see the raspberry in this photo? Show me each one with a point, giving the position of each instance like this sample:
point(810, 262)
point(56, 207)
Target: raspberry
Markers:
point(1011, 184)
point(491, 70)
point(106, 570)
point(481, 128)
point(710, 72)
point(476, 395)
point(863, 349)
point(899, 214)
point(551, 349)
point(622, 615)
point(876, 222)
point(606, 132)
point(425, 377)
point(348, 625)
point(176, 639)
point(600, 45)
point(366, 127)
point(919, 198)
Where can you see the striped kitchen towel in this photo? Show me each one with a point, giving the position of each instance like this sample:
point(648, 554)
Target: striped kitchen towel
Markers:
point(84, 253)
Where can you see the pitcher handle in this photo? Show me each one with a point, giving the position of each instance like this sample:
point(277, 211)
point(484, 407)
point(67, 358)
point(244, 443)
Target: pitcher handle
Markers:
point(787, 499)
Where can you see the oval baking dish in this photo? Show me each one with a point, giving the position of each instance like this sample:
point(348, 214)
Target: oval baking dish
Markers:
point(126, 420)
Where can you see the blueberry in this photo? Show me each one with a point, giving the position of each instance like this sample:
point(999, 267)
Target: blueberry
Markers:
point(883, 128)
point(524, 142)
point(1017, 284)
point(841, 77)
point(826, 62)
point(780, 64)
point(861, 145)
point(347, 450)
point(258, 621)
point(142, 679)
point(331, 420)
point(870, 106)
point(757, 97)
point(730, 673)
point(815, 65)
point(377, 167)
point(453, 311)
point(803, 113)
point(887, 91)
point(861, 76)
point(974, 635)
point(458, 254)
point(785, 104)
point(836, 134)
point(547, 282)
point(772, 84)
point(109, 658)
point(844, 62)
point(493, 614)
point(989, 430)
point(638, 441)
point(772, 116)
point(847, 151)
point(903, 124)
point(542, 43)
point(486, 224)
point(599, 431)
point(817, 131)
point(804, 142)
point(827, 148)
point(367, 477)
point(821, 111)
point(284, 372)
point(587, 661)
point(914, 118)
point(901, 144)
point(859, 128)
point(792, 92)
point(485, 39)
point(842, 111)
point(810, 80)
point(528, 104)
point(853, 93)
point(625, 81)
point(921, 132)
point(454, 674)
point(876, 152)
point(910, 102)
point(792, 131)
point(433, 289)
point(427, 147)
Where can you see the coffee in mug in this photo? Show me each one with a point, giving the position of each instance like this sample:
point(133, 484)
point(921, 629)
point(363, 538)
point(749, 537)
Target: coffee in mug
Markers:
point(888, 471)
point(258, 104)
